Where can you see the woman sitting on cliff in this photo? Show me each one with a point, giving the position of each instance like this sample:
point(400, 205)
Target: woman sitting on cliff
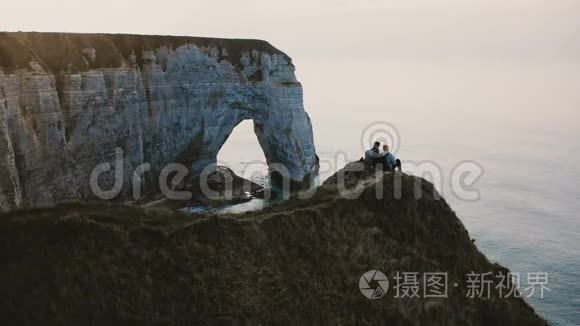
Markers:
point(389, 161)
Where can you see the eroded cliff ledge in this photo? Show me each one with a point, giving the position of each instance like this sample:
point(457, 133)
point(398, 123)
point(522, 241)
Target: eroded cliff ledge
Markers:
point(68, 101)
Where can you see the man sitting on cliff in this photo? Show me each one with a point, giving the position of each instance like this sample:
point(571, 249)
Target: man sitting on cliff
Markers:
point(389, 161)
point(373, 156)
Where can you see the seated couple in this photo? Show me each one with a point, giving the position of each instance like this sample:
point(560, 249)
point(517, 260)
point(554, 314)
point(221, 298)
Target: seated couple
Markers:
point(373, 156)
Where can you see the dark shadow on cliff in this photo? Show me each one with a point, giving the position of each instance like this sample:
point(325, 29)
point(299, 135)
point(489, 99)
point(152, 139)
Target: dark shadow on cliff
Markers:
point(297, 263)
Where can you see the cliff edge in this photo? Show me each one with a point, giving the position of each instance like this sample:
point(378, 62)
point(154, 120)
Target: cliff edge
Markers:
point(298, 263)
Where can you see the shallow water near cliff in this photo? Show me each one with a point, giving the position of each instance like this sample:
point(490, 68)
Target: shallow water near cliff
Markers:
point(260, 177)
point(516, 120)
point(251, 205)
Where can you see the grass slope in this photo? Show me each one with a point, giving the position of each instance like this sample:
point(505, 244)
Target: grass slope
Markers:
point(298, 263)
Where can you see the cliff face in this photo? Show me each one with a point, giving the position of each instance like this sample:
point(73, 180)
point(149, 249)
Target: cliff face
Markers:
point(298, 263)
point(68, 101)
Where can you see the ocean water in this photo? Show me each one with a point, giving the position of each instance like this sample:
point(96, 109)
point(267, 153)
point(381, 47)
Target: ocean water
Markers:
point(516, 121)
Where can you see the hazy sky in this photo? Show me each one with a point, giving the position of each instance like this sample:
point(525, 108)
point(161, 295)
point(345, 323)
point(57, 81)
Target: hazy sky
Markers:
point(427, 56)
point(536, 28)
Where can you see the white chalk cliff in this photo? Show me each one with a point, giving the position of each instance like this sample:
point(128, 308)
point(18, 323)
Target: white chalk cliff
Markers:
point(69, 101)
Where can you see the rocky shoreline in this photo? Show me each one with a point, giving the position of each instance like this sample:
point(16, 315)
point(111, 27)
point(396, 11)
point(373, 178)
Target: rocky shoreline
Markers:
point(224, 186)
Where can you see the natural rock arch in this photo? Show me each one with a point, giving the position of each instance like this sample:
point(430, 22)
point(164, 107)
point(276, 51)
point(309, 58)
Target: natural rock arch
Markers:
point(68, 101)
point(242, 151)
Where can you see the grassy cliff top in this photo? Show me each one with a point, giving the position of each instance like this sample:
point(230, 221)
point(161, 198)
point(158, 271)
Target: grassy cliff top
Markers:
point(63, 51)
point(297, 263)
